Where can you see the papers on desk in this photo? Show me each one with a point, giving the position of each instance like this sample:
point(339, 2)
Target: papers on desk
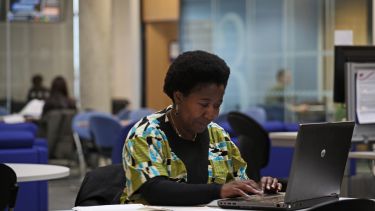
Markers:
point(34, 108)
point(121, 207)
point(365, 96)
point(13, 118)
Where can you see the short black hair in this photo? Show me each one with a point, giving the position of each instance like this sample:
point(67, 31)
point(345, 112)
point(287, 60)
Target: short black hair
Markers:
point(37, 80)
point(194, 68)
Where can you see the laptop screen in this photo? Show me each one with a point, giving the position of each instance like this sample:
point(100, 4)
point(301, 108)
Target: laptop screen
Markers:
point(319, 160)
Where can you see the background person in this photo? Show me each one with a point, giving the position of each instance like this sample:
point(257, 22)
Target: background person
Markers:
point(55, 127)
point(178, 156)
point(59, 96)
point(37, 90)
point(277, 98)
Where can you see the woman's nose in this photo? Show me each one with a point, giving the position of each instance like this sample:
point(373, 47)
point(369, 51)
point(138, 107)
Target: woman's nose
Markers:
point(211, 113)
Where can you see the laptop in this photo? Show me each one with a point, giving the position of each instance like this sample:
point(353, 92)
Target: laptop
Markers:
point(318, 166)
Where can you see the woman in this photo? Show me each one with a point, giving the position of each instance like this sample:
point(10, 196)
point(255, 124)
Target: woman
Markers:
point(178, 156)
point(59, 96)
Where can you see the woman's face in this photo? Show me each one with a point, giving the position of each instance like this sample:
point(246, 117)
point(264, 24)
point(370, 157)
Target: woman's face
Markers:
point(200, 107)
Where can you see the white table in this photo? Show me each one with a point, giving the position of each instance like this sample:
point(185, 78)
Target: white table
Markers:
point(34, 172)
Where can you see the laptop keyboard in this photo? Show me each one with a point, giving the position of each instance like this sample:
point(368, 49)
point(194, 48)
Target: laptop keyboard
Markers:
point(273, 198)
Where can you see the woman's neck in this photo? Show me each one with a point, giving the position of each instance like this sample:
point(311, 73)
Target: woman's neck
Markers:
point(178, 127)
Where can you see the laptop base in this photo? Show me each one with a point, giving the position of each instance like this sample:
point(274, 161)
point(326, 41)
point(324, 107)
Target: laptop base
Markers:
point(241, 204)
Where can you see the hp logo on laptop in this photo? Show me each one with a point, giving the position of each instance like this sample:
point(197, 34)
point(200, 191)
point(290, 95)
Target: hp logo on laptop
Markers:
point(323, 153)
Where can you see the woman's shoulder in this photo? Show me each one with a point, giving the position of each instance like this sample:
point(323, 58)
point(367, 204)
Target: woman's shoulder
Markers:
point(149, 126)
point(216, 128)
point(217, 133)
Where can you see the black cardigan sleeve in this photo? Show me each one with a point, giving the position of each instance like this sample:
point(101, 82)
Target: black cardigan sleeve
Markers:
point(161, 191)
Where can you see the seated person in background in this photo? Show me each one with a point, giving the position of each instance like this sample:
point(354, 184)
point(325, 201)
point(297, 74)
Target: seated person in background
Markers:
point(178, 156)
point(59, 97)
point(37, 90)
point(277, 96)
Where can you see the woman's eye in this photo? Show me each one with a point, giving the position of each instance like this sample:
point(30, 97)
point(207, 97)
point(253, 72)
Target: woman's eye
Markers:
point(204, 104)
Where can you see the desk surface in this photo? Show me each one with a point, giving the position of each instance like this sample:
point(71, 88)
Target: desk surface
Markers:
point(370, 155)
point(288, 139)
point(283, 139)
point(133, 207)
point(33, 172)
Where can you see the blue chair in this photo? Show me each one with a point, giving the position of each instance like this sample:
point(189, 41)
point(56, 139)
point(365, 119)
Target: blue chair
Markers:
point(136, 115)
point(80, 124)
point(82, 133)
point(123, 114)
point(26, 126)
point(105, 130)
point(18, 145)
point(117, 149)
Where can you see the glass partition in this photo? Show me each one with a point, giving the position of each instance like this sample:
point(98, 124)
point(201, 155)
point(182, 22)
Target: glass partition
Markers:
point(279, 51)
point(36, 38)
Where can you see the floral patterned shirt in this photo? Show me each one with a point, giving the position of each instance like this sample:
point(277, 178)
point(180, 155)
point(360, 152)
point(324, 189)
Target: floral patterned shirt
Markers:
point(147, 154)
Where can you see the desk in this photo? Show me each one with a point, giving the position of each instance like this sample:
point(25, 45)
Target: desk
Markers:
point(283, 139)
point(369, 155)
point(118, 207)
point(34, 172)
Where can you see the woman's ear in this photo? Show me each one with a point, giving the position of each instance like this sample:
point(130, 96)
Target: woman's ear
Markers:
point(178, 97)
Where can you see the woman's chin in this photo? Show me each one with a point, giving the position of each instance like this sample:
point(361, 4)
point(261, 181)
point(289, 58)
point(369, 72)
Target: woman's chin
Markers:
point(201, 129)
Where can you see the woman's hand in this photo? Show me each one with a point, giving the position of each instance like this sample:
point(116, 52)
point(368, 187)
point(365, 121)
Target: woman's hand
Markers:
point(270, 185)
point(240, 188)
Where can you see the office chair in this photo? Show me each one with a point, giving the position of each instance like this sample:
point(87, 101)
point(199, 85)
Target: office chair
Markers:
point(138, 114)
point(253, 140)
point(346, 205)
point(82, 136)
point(8, 187)
point(119, 145)
point(102, 186)
point(105, 130)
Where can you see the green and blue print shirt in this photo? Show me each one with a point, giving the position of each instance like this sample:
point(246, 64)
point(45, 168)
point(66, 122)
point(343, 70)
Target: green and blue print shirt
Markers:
point(147, 154)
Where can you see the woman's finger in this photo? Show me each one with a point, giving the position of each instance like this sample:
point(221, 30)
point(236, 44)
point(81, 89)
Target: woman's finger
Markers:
point(274, 183)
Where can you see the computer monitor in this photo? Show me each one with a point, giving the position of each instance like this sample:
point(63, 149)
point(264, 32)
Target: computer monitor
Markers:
point(360, 99)
point(344, 55)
